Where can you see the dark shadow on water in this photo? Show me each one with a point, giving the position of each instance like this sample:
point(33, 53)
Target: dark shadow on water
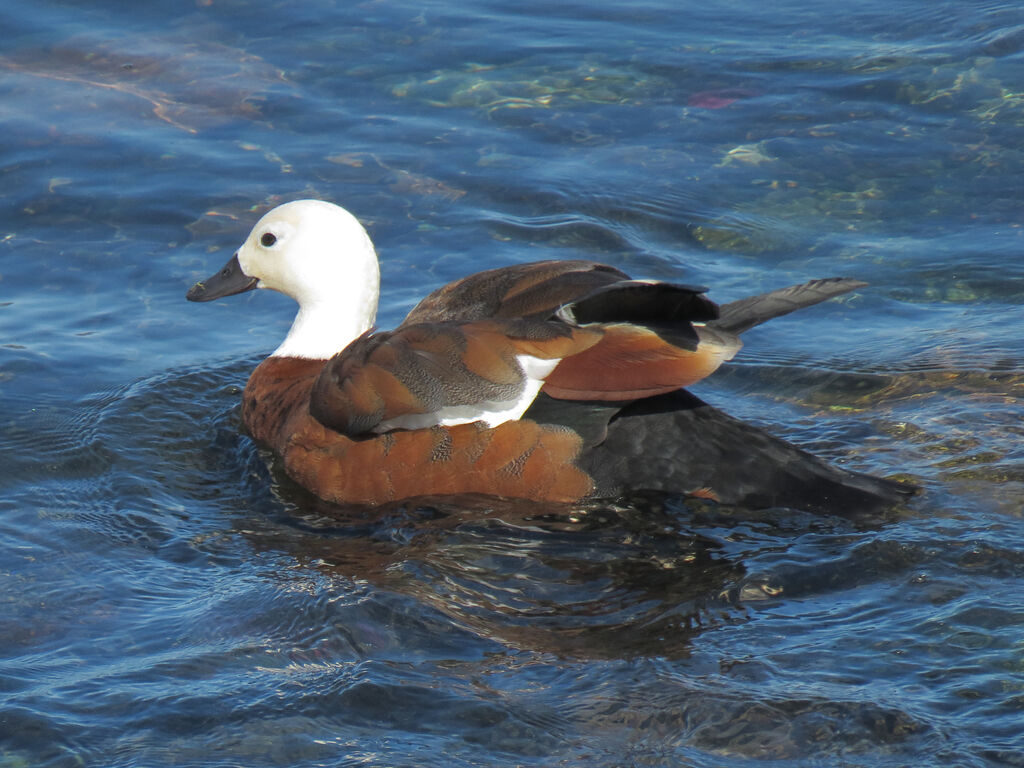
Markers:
point(641, 576)
point(594, 582)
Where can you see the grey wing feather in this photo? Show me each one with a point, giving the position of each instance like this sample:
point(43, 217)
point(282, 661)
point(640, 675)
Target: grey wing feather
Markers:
point(742, 315)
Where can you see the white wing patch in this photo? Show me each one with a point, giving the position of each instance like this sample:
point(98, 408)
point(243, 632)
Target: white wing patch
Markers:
point(491, 412)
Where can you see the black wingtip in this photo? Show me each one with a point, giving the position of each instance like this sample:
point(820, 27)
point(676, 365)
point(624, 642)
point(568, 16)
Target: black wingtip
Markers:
point(644, 302)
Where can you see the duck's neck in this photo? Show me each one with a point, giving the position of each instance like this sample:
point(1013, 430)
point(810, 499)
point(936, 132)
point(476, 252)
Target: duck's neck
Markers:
point(322, 329)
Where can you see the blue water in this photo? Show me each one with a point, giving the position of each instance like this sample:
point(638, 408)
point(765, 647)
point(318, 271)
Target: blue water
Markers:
point(169, 600)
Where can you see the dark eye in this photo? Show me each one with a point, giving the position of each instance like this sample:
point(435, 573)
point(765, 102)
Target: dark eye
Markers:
point(267, 239)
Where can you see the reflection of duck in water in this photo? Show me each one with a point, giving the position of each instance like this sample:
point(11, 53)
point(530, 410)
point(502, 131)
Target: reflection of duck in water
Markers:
point(553, 381)
point(610, 581)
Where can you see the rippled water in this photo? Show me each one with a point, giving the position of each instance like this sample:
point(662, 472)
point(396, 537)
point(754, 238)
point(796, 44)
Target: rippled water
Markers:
point(169, 600)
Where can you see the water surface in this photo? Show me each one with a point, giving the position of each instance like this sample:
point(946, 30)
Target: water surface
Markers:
point(170, 600)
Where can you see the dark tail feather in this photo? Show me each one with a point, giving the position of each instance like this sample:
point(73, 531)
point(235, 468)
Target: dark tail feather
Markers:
point(739, 316)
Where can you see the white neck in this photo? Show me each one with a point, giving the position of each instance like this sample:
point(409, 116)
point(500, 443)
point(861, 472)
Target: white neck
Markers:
point(325, 328)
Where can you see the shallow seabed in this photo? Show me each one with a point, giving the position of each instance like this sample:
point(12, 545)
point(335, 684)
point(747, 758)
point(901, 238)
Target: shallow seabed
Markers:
point(169, 600)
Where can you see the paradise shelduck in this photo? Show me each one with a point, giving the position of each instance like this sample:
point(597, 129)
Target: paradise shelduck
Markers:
point(553, 381)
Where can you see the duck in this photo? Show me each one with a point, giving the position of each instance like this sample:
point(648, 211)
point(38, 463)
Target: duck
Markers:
point(558, 381)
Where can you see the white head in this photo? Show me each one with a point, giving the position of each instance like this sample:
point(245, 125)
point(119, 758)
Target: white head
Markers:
point(320, 255)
